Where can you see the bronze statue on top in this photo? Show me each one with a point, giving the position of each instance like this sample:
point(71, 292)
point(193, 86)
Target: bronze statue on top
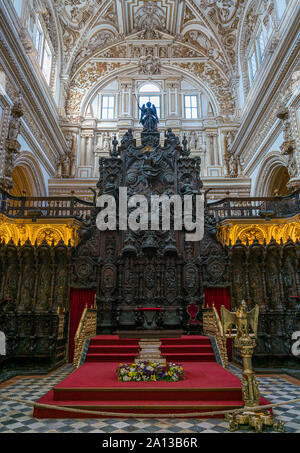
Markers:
point(149, 118)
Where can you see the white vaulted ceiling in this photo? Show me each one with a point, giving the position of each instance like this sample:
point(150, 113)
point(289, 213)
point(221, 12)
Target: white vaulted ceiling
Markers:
point(210, 27)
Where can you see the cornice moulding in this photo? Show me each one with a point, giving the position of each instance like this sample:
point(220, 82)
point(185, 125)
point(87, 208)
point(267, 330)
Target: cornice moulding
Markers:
point(282, 63)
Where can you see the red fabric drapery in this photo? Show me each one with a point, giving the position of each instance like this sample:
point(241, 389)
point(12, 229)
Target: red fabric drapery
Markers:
point(218, 297)
point(79, 298)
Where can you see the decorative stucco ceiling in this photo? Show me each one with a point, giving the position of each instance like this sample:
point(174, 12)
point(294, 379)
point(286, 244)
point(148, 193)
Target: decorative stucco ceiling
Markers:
point(209, 27)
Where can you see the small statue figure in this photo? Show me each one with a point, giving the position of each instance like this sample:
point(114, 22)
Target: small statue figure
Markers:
point(241, 319)
point(185, 151)
point(14, 128)
point(171, 138)
point(127, 139)
point(15, 120)
point(149, 118)
point(115, 152)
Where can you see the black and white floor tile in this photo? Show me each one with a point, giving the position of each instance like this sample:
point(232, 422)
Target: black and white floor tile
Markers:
point(17, 417)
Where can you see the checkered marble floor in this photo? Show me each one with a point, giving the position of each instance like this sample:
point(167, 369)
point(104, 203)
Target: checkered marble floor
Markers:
point(17, 417)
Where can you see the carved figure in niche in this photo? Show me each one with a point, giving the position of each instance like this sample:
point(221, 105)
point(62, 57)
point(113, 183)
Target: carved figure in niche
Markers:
point(110, 185)
point(238, 281)
point(108, 279)
point(171, 279)
point(61, 285)
point(233, 166)
point(150, 277)
point(193, 140)
point(129, 278)
point(273, 283)
point(190, 278)
point(289, 277)
point(14, 128)
point(106, 142)
point(187, 186)
point(149, 118)
point(136, 52)
point(11, 286)
point(27, 290)
point(14, 124)
point(151, 168)
point(42, 303)
point(163, 52)
point(149, 32)
point(255, 282)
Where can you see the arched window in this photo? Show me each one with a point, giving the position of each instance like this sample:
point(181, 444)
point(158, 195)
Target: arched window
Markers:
point(149, 92)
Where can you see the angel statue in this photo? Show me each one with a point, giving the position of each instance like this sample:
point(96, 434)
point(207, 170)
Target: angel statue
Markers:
point(149, 118)
point(241, 319)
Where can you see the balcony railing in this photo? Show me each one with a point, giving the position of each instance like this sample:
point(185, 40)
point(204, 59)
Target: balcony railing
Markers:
point(255, 207)
point(43, 207)
point(227, 208)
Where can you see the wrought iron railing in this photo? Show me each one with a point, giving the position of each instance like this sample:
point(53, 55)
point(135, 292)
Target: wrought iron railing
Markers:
point(50, 207)
point(226, 208)
point(255, 207)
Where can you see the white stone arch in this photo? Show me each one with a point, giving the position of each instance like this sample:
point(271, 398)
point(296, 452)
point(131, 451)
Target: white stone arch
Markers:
point(269, 167)
point(98, 28)
point(2, 343)
point(131, 71)
point(31, 174)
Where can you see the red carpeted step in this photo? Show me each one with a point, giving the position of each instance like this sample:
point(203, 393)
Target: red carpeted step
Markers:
point(114, 349)
point(183, 348)
point(190, 356)
point(186, 340)
point(128, 358)
point(154, 406)
point(110, 357)
point(100, 341)
point(147, 395)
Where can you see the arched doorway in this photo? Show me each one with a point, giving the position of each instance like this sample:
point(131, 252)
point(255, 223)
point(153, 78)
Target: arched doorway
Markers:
point(23, 185)
point(278, 182)
point(28, 180)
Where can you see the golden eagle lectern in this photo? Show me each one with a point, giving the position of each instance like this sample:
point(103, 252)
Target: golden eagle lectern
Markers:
point(241, 325)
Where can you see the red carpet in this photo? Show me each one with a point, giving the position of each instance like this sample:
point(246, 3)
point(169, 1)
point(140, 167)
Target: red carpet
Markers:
point(186, 348)
point(94, 385)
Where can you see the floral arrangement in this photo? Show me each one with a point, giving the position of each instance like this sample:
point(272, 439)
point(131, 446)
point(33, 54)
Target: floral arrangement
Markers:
point(150, 371)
